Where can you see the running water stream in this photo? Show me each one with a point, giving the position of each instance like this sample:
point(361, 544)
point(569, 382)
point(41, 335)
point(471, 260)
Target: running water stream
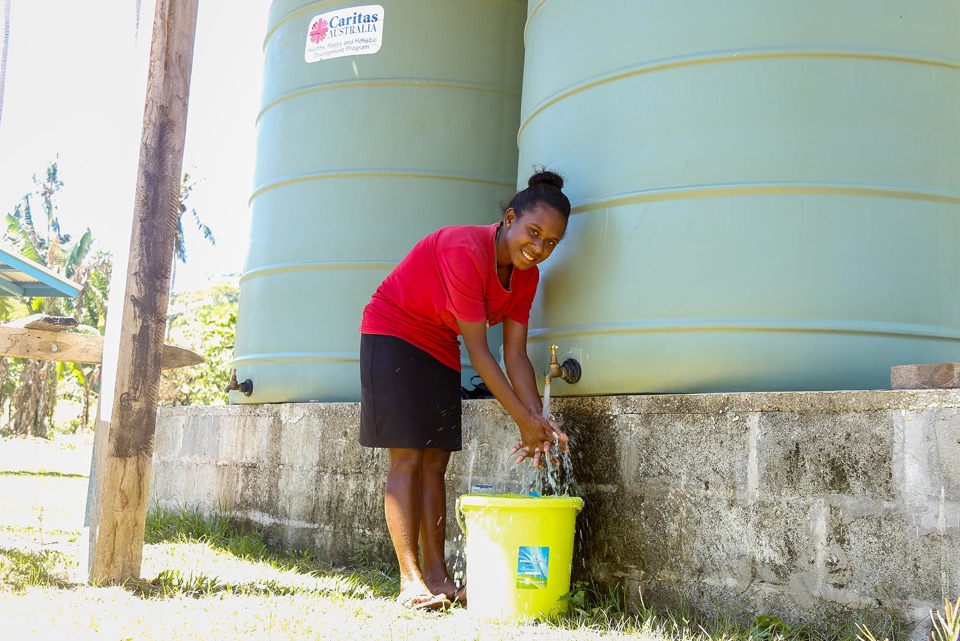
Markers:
point(556, 476)
point(546, 398)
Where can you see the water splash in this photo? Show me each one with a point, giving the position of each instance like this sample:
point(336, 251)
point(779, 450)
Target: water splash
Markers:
point(458, 564)
point(557, 477)
point(553, 477)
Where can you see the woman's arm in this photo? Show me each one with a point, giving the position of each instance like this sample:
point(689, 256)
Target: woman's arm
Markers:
point(519, 368)
point(536, 432)
point(522, 375)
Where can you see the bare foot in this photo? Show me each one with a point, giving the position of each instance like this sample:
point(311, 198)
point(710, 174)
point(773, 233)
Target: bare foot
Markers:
point(447, 587)
point(442, 585)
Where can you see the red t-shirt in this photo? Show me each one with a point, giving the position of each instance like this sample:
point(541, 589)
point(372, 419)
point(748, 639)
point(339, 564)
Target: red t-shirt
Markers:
point(449, 275)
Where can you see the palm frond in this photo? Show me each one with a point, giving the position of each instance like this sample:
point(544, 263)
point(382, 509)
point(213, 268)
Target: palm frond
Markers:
point(204, 229)
point(78, 253)
point(18, 233)
point(33, 246)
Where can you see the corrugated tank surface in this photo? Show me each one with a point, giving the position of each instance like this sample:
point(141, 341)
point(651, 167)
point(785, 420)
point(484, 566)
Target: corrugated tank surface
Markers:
point(766, 194)
point(379, 124)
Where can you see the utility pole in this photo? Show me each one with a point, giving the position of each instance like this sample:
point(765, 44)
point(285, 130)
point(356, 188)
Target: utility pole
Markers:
point(120, 481)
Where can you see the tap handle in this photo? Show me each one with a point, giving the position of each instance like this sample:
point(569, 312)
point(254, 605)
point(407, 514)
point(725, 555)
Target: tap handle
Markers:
point(553, 353)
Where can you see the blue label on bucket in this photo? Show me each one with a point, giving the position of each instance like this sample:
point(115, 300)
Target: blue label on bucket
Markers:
point(533, 563)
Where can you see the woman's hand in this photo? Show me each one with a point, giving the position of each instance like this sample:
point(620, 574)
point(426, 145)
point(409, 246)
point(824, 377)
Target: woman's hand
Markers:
point(537, 435)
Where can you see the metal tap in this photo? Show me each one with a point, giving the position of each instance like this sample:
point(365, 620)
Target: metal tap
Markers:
point(245, 388)
point(569, 371)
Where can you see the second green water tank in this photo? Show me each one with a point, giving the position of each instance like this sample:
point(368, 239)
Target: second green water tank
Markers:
point(766, 194)
point(379, 124)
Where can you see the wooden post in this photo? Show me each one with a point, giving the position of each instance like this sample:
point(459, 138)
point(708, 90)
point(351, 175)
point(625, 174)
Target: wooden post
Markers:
point(123, 475)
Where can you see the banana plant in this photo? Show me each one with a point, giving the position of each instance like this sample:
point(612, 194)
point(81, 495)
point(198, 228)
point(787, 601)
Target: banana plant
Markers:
point(34, 229)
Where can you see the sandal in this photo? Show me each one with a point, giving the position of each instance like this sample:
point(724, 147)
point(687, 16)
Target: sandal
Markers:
point(424, 601)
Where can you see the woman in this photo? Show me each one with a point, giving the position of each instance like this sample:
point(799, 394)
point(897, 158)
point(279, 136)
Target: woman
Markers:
point(456, 281)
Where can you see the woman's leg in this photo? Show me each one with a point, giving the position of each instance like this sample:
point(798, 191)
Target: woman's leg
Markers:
point(433, 522)
point(402, 507)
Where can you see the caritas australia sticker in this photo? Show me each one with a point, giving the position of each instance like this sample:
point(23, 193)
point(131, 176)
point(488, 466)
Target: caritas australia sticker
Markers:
point(351, 31)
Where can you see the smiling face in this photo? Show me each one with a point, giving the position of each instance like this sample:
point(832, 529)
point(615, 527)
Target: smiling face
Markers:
point(528, 239)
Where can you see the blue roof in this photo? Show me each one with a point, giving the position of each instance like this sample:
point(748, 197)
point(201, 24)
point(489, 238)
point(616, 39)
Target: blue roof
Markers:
point(20, 276)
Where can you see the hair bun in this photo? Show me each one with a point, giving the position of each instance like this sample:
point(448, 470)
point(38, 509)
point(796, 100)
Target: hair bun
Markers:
point(544, 177)
point(543, 187)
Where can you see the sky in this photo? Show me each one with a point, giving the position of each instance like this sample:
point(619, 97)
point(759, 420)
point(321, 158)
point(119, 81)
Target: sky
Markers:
point(75, 89)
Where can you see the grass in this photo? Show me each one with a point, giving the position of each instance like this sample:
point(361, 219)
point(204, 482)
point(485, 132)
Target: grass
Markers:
point(205, 577)
point(22, 568)
point(255, 569)
point(603, 611)
point(217, 580)
point(30, 473)
point(945, 625)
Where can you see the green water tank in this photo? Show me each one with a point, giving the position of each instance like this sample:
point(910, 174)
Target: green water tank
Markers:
point(379, 124)
point(766, 194)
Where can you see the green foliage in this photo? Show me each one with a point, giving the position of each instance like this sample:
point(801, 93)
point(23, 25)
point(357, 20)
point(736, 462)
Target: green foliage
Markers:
point(30, 390)
point(946, 625)
point(204, 322)
point(591, 606)
point(171, 583)
point(34, 229)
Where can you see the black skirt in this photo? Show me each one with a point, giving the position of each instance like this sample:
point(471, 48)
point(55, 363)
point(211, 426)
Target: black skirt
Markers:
point(407, 397)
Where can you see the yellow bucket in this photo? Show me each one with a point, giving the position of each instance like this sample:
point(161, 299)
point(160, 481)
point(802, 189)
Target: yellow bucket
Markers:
point(519, 552)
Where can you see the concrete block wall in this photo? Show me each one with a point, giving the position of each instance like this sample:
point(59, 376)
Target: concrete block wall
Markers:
point(807, 506)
